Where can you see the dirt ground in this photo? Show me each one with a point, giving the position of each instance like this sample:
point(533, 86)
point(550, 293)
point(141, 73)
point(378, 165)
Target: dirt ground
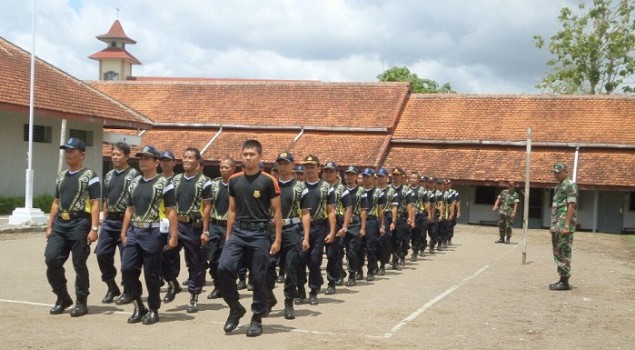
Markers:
point(476, 295)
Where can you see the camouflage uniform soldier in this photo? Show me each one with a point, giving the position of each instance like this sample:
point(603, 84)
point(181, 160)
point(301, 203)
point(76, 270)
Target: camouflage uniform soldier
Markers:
point(563, 223)
point(507, 205)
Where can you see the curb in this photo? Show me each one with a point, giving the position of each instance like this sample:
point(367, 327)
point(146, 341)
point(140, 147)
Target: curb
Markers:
point(23, 229)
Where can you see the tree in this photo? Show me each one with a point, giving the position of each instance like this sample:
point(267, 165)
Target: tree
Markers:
point(593, 51)
point(419, 85)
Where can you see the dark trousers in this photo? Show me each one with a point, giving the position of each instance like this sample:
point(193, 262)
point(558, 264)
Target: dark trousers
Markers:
point(144, 247)
point(353, 249)
point(385, 243)
point(452, 224)
point(195, 259)
point(109, 240)
point(171, 261)
point(444, 230)
point(418, 237)
point(340, 244)
point(313, 257)
point(214, 249)
point(254, 246)
point(68, 237)
point(372, 244)
point(433, 232)
point(398, 239)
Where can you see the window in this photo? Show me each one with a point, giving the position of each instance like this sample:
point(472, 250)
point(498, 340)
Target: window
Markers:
point(110, 75)
point(631, 206)
point(485, 195)
point(41, 133)
point(535, 203)
point(84, 135)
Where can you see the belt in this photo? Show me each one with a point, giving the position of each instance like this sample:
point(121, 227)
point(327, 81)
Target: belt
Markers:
point(252, 225)
point(186, 219)
point(139, 224)
point(66, 216)
point(219, 222)
point(291, 221)
point(372, 217)
point(115, 216)
point(319, 222)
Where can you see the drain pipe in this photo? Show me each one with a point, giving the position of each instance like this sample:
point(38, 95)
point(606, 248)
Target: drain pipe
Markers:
point(297, 137)
point(212, 140)
point(575, 163)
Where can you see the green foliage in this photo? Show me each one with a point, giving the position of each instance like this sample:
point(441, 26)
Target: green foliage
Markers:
point(419, 85)
point(594, 51)
point(8, 204)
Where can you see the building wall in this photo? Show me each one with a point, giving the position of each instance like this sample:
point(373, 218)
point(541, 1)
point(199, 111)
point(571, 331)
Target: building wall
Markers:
point(629, 215)
point(14, 150)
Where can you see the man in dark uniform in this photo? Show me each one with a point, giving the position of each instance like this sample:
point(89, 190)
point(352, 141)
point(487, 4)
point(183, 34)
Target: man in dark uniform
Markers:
point(354, 227)
point(335, 250)
point(318, 200)
point(115, 198)
point(151, 196)
point(387, 192)
point(295, 230)
point(218, 220)
point(72, 227)
point(447, 216)
point(253, 196)
point(399, 227)
point(433, 222)
point(192, 192)
point(374, 222)
point(171, 262)
point(418, 215)
point(457, 209)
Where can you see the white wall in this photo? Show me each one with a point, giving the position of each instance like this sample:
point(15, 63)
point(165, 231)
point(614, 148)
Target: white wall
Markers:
point(585, 210)
point(480, 212)
point(13, 150)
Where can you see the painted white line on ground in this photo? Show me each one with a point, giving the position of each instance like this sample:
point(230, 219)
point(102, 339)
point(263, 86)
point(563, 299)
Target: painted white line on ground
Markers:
point(50, 305)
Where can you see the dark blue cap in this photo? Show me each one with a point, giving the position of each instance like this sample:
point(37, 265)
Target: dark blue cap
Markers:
point(368, 172)
point(74, 143)
point(424, 178)
point(330, 165)
point(148, 151)
point(382, 172)
point(167, 155)
point(286, 156)
point(299, 169)
point(351, 169)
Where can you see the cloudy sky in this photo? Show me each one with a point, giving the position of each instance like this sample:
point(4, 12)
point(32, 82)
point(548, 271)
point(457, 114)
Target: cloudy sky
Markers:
point(483, 46)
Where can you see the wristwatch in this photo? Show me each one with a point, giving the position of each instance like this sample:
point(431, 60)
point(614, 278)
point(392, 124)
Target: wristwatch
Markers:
point(345, 229)
point(94, 228)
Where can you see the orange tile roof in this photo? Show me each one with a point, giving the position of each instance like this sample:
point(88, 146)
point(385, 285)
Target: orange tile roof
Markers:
point(596, 168)
point(116, 32)
point(571, 119)
point(264, 103)
point(114, 53)
point(57, 94)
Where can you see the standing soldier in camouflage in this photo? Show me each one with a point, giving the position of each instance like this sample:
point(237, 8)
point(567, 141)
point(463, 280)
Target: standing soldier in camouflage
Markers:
point(507, 205)
point(563, 223)
point(192, 192)
point(115, 197)
point(218, 220)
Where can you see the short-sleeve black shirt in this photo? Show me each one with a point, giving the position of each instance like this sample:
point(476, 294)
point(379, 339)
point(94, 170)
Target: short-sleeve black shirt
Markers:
point(253, 194)
point(115, 192)
point(190, 193)
point(149, 198)
point(76, 190)
point(316, 198)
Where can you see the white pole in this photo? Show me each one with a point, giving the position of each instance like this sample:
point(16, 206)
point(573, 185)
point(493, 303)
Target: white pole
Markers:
point(575, 163)
point(28, 199)
point(60, 161)
point(526, 203)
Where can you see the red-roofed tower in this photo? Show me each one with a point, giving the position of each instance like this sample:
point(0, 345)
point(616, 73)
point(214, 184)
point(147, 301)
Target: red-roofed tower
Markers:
point(115, 63)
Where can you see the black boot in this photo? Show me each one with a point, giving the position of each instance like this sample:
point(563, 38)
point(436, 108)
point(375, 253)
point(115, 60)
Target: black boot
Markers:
point(236, 311)
point(501, 240)
point(192, 306)
point(414, 256)
point(113, 291)
point(215, 293)
point(271, 302)
point(140, 310)
point(63, 301)
point(432, 248)
point(81, 308)
point(351, 282)
point(124, 298)
point(289, 313)
point(301, 295)
point(173, 289)
point(255, 327)
point(507, 240)
point(562, 285)
point(151, 317)
point(241, 284)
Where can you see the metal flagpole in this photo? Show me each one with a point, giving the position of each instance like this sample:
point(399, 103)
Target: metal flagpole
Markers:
point(28, 200)
point(526, 202)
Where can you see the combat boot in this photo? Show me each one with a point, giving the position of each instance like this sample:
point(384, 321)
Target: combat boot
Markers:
point(192, 306)
point(81, 308)
point(501, 240)
point(289, 313)
point(215, 293)
point(173, 289)
point(151, 317)
point(140, 310)
point(236, 311)
point(271, 302)
point(113, 291)
point(63, 301)
point(507, 240)
point(562, 285)
point(124, 298)
point(255, 327)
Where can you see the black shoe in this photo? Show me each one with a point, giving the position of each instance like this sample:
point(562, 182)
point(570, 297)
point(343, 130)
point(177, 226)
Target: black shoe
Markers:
point(563, 284)
point(151, 317)
point(241, 285)
point(413, 257)
point(255, 327)
point(501, 240)
point(192, 306)
point(432, 249)
point(235, 313)
point(301, 296)
point(280, 279)
point(339, 282)
point(173, 289)
point(215, 294)
point(186, 282)
point(271, 302)
point(123, 299)
point(402, 262)
point(330, 289)
point(140, 310)
point(113, 291)
point(381, 271)
point(351, 282)
point(370, 277)
point(80, 308)
point(507, 241)
point(63, 301)
point(439, 246)
point(289, 313)
point(313, 300)
point(250, 287)
point(359, 276)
